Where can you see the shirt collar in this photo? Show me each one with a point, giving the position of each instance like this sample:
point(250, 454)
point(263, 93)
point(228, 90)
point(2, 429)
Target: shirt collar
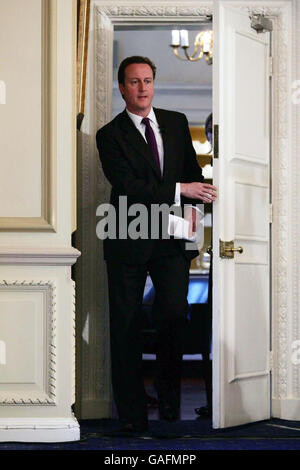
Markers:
point(138, 119)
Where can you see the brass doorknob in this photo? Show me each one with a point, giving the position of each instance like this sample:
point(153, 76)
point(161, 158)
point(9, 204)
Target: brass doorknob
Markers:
point(239, 249)
point(227, 249)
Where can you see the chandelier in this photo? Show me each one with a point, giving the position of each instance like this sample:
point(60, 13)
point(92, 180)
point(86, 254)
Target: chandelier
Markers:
point(203, 45)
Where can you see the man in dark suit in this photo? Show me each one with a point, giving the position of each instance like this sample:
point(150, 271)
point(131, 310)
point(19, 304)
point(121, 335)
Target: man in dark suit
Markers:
point(148, 157)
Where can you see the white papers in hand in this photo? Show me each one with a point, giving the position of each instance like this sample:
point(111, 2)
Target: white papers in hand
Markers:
point(179, 228)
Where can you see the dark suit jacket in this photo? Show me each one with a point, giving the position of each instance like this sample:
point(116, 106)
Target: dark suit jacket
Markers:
point(131, 170)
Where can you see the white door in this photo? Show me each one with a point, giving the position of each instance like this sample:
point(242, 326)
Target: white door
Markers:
point(241, 374)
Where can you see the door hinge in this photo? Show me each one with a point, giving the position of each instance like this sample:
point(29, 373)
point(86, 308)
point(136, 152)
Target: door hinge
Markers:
point(216, 140)
point(270, 213)
point(270, 66)
point(260, 23)
point(271, 360)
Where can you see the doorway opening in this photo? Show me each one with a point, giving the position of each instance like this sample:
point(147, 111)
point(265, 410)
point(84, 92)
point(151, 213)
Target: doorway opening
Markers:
point(185, 87)
point(93, 381)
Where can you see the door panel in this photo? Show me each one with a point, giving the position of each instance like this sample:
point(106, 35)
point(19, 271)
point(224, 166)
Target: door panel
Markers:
point(241, 378)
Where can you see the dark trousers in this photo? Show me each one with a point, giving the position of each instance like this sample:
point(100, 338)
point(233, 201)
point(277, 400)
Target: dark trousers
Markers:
point(170, 277)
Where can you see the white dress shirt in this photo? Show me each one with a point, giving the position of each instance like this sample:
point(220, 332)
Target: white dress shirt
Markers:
point(137, 121)
point(176, 226)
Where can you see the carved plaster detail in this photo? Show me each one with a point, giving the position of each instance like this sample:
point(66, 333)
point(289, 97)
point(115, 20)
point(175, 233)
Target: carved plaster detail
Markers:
point(46, 397)
point(295, 196)
point(155, 10)
point(281, 201)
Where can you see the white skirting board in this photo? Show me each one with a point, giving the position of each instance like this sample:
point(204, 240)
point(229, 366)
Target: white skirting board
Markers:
point(39, 430)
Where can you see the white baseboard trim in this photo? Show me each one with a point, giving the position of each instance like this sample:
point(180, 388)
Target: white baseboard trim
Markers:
point(39, 430)
point(286, 409)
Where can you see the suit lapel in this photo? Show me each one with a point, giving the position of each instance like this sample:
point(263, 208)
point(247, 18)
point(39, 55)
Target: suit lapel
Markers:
point(134, 138)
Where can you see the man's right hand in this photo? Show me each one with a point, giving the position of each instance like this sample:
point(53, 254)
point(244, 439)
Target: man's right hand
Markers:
point(204, 191)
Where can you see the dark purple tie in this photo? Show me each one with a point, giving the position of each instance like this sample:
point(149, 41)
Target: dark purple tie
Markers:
point(150, 137)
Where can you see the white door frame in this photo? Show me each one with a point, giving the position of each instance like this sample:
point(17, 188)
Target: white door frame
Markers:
point(95, 396)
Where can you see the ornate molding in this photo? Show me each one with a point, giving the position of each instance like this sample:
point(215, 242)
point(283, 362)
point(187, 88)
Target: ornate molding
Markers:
point(103, 48)
point(155, 11)
point(43, 397)
point(267, 11)
point(281, 162)
point(48, 219)
point(46, 256)
point(281, 196)
point(295, 192)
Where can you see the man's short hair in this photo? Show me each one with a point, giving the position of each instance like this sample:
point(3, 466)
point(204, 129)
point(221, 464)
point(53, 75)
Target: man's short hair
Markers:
point(135, 59)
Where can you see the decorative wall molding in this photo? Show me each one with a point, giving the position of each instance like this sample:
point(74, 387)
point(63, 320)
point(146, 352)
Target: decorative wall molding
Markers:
point(45, 256)
point(44, 396)
point(47, 220)
point(154, 11)
point(295, 173)
point(281, 161)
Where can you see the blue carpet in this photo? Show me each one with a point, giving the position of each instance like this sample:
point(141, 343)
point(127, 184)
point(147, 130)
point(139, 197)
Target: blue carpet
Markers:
point(273, 434)
point(198, 428)
point(131, 444)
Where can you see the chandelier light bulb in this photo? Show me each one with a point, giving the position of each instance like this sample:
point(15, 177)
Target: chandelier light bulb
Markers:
point(206, 41)
point(175, 37)
point(203, 45)
point(184, 38)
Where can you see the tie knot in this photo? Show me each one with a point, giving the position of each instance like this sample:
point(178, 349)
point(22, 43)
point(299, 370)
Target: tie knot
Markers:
point(146, 121)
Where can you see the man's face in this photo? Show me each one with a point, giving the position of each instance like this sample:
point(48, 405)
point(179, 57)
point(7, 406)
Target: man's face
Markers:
point(138, 89)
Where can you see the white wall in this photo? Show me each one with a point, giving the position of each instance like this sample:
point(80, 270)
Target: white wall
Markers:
point(37, 152)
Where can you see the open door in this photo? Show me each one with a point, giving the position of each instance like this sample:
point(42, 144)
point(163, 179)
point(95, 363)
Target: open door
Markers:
point(241, 326)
